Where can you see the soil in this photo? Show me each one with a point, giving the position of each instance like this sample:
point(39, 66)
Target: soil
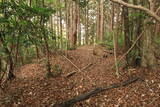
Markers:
point(31, 88)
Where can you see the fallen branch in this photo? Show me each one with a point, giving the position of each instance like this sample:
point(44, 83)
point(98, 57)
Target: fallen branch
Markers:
point(74, 72)
point(92, 93)
point(72, 63)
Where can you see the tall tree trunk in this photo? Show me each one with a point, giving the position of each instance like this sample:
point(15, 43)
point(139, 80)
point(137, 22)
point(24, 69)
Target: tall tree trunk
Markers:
point(61, 27)
point(10, 67)
point(73, 19)
point(101, 32)
point(148, 58)
point(45, 37)
point(126, 32)
point(79, 27)
point(86, 25)
point(100, 20)
point(118, 26)
point(148, 46)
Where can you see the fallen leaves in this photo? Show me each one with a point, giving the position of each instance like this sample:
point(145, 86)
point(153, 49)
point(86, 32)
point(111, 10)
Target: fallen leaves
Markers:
point(31, 88)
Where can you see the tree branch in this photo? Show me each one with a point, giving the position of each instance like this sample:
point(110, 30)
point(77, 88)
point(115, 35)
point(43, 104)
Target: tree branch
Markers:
point(91, 93)
point(149, 12)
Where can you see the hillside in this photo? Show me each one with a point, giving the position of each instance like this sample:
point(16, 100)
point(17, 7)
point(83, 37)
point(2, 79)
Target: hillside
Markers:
point(31, 88)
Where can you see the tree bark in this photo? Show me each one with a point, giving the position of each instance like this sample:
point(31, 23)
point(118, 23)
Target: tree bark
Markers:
point(126, 32)
point(73, 20)
point(100, 20)
point(86, 25)
point(148, 46)
point(148, 58)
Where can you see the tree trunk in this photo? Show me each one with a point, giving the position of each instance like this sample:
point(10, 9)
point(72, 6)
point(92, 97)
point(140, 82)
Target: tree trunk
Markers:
point(61, 28)
point(73, 19)
point(86, 26)
point(126, 32)
point(100, 20)
point(101, 30)
point(148, 58)
point(79, 27)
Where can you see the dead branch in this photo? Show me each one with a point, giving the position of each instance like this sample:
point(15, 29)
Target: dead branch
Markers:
point(149, 12)
point(94, 92)
point(131, 47)
point(72, 63)
point(83, 69)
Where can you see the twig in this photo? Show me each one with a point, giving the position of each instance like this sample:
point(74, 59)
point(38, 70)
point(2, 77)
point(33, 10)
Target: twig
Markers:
point(148, 86)
point(79, 70)
point(157, 9)
point(153, 100)
point(131, 47)
point(73, 72)
point(72, 63)
point(115, 55)
point(87, 66)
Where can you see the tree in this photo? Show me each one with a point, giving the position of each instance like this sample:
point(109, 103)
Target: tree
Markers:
point(73, 20)
point(16, 19)
point(100, 20)
point(147, 51)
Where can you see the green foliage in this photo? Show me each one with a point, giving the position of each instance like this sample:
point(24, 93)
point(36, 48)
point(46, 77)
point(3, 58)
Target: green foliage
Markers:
point(22, 24)
point(108, 41)
point(157, 40)
point(57, 68)
point(121, 40)
point(57, 71)
point(150, 23)
point(71, 48)
point(137, 16)
point(51, 1)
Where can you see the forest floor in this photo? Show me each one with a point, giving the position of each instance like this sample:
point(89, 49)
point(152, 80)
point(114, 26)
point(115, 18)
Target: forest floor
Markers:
point(32, 89)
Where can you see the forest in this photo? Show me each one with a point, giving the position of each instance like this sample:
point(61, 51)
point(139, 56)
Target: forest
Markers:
point(79, 53)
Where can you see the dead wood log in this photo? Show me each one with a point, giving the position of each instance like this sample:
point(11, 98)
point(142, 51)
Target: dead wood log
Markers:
point(74, 72)
point(92, 93)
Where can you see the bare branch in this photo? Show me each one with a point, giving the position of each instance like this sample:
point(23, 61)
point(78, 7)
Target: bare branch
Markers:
point(149, 12)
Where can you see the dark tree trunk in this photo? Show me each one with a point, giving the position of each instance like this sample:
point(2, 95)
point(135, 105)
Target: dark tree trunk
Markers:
point(126, 32)
point(9, 59)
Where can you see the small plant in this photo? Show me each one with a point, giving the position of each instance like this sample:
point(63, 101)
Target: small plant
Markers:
point(57, 69)
point(49, 74)
point(71, 48)
point(49, 69)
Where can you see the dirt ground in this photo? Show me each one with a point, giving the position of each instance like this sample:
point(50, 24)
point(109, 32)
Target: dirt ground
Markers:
point(31, 88)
